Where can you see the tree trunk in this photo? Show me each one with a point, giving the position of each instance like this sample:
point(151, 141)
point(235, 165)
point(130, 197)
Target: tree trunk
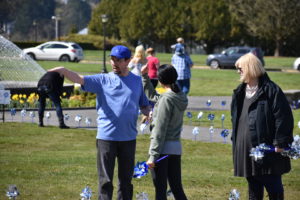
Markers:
point(277, 48)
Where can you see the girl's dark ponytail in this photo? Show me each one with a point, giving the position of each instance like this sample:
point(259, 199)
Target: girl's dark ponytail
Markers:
point(175, 88)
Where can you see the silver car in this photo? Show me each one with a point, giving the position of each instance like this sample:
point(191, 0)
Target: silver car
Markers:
point(229, 56)
point(56, 50)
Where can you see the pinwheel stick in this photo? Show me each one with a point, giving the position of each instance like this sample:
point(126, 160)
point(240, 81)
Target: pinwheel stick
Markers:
point(161, 158)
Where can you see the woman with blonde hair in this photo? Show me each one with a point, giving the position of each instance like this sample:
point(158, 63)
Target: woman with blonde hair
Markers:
point(260, 113)
point(138, 60)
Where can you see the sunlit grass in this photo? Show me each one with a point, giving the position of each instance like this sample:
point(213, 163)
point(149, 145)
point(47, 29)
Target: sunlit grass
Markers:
point(207, 82)
point(199, 59)
point(50, 163)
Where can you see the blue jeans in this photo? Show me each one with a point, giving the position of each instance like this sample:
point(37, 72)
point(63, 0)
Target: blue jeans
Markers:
point(184, 85)
point(55, 99)
point(107, 152)
point(256, 184)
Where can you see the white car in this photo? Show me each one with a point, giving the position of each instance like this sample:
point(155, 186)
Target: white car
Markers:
point(296, 64)
point(56, 50)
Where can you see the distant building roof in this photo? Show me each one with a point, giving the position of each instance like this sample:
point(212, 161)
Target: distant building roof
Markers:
point(83, 31)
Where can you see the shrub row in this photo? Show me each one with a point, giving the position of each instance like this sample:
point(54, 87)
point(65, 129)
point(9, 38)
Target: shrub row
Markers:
point(87, 42)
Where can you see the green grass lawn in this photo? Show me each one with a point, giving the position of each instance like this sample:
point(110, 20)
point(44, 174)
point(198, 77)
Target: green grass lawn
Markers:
point(206, 82)
point(51, 163)
point(200, 59)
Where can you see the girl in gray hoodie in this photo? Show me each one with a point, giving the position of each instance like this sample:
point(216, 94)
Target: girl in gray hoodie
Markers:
point(165, 129)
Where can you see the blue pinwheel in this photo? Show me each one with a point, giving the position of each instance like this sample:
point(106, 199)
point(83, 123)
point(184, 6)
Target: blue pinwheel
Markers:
point(222, 119)
point(223, 103)
point(208, 103)
point(86, 193)
point(292, 152)
point(195, 132)
point(12, 113)
point(224, 134)
point(141, 168)
point(211, 118)
point(189, 115)
point(234, 195)
point(12, 192)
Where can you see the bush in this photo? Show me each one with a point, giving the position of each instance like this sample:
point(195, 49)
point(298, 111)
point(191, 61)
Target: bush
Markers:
point(23, 45)
point(87, 42)
point(91, 42)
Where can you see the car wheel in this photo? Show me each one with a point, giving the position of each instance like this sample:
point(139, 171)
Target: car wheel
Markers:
point(64, 58)
point(31, 55)
point(76, 60)
point(298, 68)
point(214, 64)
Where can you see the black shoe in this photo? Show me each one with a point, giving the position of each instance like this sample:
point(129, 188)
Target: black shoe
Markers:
point(41, 125)
point(63, 126)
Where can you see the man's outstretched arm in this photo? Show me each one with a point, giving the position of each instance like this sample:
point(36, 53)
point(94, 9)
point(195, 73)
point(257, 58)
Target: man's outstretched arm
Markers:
point(72, 76)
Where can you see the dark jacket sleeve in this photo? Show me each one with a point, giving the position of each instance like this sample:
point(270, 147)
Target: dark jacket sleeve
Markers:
point(284, 121)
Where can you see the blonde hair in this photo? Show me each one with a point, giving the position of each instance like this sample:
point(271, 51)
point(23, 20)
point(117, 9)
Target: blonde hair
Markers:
point(251, 66)
point(139, 54)
point(180, 40)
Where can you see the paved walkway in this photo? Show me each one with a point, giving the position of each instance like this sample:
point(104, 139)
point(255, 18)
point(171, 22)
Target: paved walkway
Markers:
point(195, 103)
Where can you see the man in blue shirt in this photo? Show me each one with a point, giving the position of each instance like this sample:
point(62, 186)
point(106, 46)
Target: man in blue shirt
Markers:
point(179, 48)
point(119, 96)
point(182, 64)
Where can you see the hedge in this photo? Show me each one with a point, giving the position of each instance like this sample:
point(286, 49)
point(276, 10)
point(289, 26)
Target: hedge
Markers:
point(87, 42)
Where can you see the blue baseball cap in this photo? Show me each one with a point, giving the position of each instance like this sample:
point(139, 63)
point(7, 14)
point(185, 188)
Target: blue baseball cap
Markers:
point(120, 52)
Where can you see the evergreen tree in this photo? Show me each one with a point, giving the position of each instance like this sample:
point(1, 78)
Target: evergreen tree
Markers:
point(211, 20)
point(27, 12)
point(76, 15)
point(114, 9)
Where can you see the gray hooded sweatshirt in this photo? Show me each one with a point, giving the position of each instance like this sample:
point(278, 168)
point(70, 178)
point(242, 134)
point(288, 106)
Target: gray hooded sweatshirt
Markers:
point(167, 120)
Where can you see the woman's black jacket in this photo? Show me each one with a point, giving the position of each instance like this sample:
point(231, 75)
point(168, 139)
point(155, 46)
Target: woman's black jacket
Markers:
point(270, 121)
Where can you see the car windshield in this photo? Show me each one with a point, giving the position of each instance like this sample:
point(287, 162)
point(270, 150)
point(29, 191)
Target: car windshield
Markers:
point(46, 46)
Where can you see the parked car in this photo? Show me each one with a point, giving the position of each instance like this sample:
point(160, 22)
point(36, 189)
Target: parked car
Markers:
point(229, 56)
point(56, 50)
point(296, 64)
